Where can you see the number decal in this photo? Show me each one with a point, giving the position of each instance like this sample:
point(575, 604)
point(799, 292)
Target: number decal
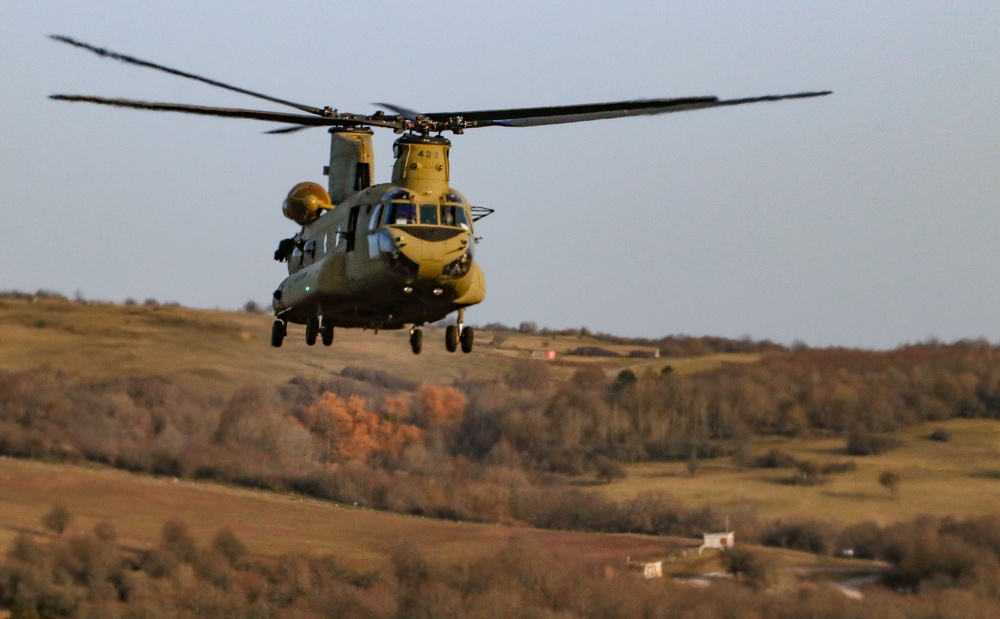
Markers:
point(429, 154)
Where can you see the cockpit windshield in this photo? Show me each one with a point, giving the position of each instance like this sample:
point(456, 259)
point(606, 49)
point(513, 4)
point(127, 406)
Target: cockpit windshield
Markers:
point(408, 213)
point(454, 215)
point(429, 214)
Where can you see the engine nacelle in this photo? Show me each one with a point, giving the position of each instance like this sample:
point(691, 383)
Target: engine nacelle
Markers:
point(305, 202)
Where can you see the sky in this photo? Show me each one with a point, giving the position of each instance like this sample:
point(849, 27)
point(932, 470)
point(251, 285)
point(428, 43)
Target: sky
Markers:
point(869, 218)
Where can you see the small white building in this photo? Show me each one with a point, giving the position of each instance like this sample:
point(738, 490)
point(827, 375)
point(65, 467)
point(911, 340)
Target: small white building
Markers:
point(718, 541)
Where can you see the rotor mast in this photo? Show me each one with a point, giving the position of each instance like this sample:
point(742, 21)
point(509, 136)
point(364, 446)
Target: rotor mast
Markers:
point(421, 164)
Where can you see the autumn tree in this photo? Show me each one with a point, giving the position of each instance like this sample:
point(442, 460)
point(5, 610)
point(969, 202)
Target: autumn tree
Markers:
point(440, 406)
point(349, 431)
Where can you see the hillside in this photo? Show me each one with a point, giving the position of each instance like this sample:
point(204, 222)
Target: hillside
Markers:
point(271, 523)
point(361, 449)
point(959, 478)
point(219, 351)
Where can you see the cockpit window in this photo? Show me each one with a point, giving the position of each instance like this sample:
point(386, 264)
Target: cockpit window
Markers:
point(454, 215)
point(454, 196)
point(429, 214)
point(395, 194)
point(402, 213)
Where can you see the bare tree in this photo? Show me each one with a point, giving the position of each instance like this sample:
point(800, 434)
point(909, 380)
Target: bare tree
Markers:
point(889, 480)
point(57, 519)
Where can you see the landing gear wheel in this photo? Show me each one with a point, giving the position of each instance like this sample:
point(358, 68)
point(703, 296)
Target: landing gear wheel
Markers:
point(312, 330)
point(416, 341)
point(451, 338)
point(466, 339)
point(277, 333)
point(326, 331)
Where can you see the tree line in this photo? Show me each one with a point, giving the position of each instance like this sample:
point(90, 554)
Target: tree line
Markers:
point(943, 568)
point(491, 450)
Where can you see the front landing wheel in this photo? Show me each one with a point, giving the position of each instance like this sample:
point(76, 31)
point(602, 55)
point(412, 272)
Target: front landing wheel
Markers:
point(312, 330)
point(416, 341)
point(451, 338)
point(326, 332)
point(466, 339)
point(277, 333)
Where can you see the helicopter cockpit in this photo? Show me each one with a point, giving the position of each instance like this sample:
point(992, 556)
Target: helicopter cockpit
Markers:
point(399, 209)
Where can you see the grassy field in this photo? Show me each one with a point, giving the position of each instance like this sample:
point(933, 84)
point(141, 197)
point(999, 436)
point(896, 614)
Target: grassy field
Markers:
point(959, 477)
point(221, 351)
point(274, 524)
point(271, 523)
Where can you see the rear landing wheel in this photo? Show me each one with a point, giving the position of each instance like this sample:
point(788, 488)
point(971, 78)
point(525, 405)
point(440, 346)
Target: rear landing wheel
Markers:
point(466, 338)
point(326, 331)
point(312, 330)
point(277, 333)
point(451, 338)
point(416, 341)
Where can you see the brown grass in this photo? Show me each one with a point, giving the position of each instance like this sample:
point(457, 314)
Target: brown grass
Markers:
point(960, 478)
point(270, 523)
point(221, 351)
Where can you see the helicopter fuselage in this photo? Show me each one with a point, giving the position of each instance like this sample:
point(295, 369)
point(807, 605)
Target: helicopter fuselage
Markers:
point(384, 256)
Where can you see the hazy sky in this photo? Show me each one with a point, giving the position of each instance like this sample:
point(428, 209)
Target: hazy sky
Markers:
point(868, 218)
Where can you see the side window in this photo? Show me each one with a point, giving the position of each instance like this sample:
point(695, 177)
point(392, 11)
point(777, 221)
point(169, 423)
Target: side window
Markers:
point(310, 249)
point(403, 213)
point(376, 218)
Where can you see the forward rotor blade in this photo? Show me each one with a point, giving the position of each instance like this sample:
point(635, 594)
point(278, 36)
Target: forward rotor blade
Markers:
point(404, 112)
point(201, 110)
point(537, 116)
point(286, 130)
point(100, 51)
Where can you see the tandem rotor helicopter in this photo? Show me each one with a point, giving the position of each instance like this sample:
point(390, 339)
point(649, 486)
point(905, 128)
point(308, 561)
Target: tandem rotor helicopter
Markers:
point(394, 255)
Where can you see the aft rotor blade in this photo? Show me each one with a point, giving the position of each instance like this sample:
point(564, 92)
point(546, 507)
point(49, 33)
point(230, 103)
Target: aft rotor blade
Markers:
point(537, 116)
point(100, 51)
point(201, 110)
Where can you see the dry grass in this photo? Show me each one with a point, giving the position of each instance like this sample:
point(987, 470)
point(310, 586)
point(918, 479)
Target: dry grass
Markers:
point(270, 523)
point(220, 351)
point(960, 478)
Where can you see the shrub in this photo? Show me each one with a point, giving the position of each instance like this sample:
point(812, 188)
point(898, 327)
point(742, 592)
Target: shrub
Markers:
point(608, 470)
point(862, 442)
point(592, 351)
point(57, 519)
point(862, 540)
point(177, 540)
point(941, 435)
point(890, 481)
point(229, 546)
point(807, 535)
point(831, 468)
point(774, 459)
point(759, 570)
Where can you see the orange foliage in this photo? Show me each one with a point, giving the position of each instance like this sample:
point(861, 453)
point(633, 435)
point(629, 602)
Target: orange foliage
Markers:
point(441, 406)
point(352, 432)
point(397, 407)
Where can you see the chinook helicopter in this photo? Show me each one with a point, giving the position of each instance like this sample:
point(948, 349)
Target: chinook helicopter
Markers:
point(394, 255)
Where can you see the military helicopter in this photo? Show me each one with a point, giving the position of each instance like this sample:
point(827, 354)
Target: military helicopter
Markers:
point(394, 255)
